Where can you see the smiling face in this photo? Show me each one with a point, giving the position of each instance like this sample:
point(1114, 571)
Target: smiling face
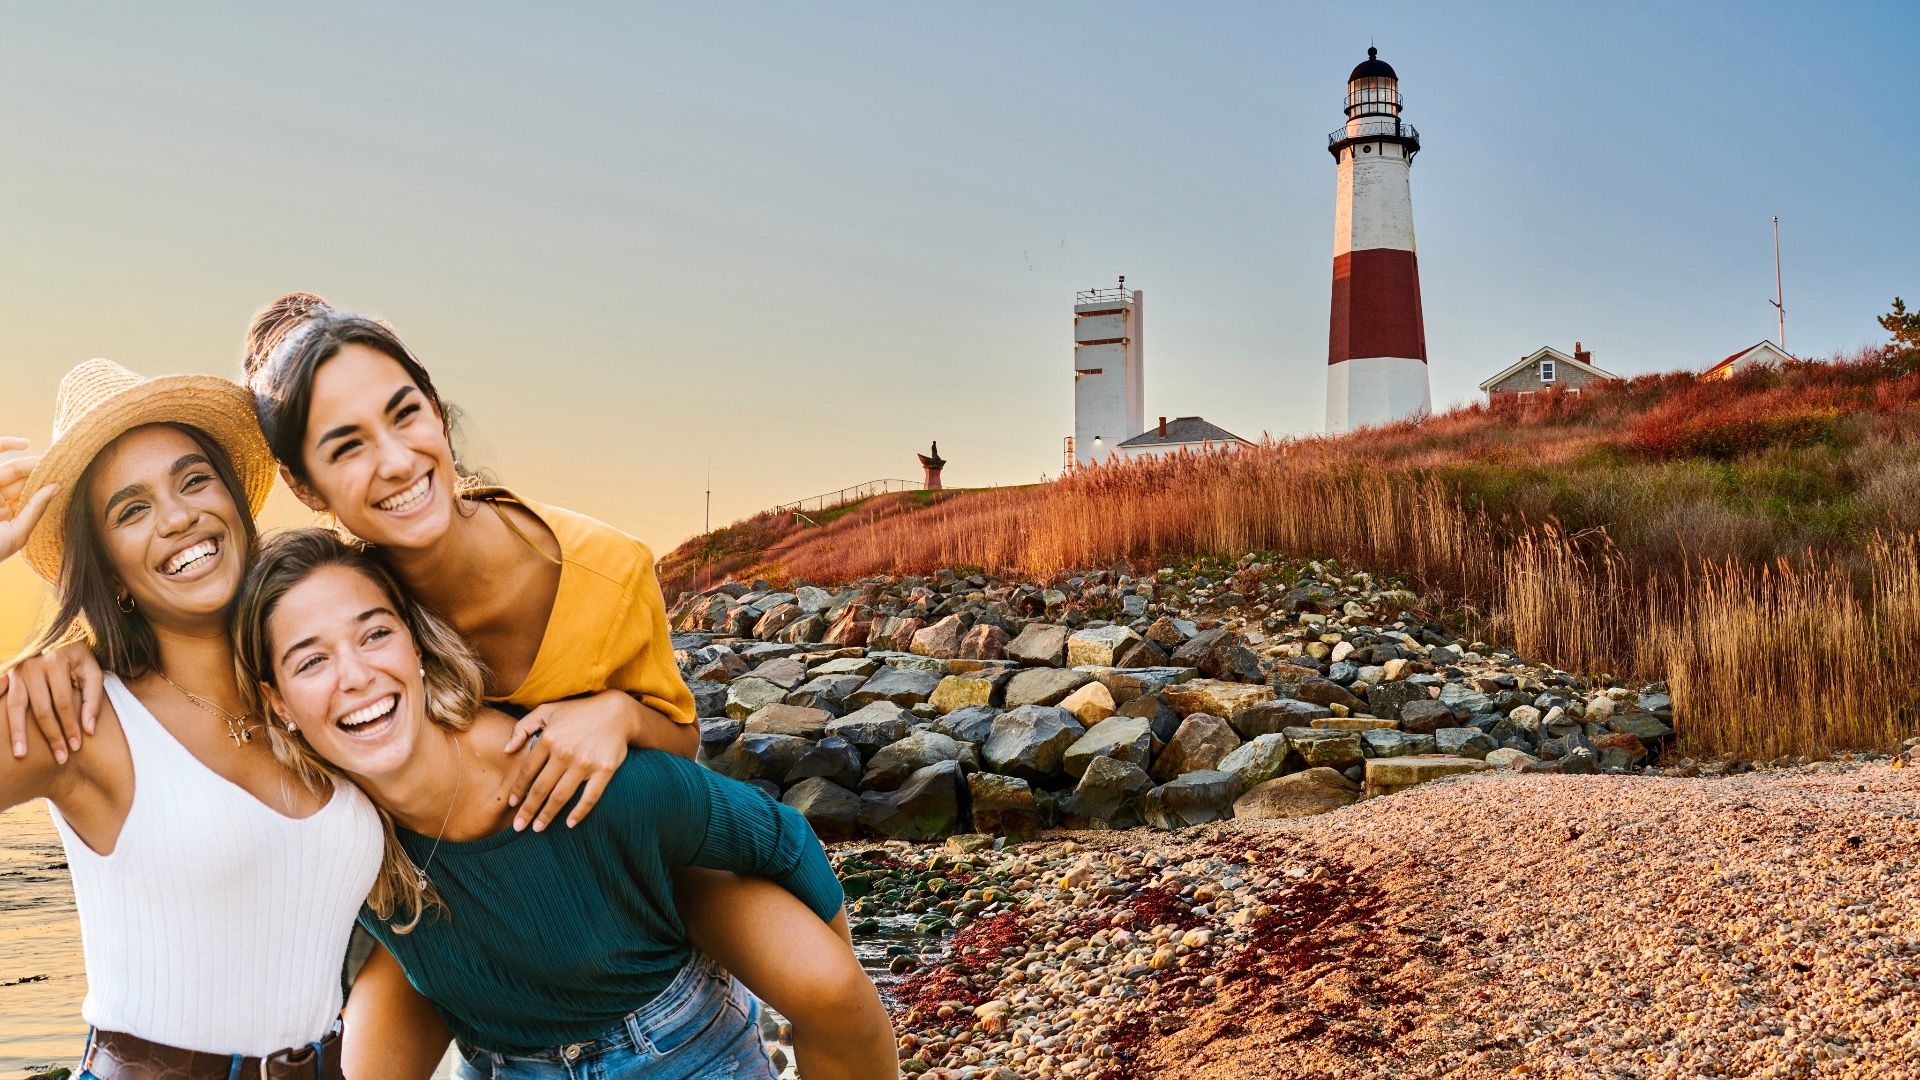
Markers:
point(173, 535)
point(346, 672)
point(376, 452)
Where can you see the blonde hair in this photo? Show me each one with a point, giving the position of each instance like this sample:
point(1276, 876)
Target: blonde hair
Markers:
point(455, 682)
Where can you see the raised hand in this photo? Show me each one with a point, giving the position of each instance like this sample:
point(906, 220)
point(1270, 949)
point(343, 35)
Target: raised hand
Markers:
point(17, 522)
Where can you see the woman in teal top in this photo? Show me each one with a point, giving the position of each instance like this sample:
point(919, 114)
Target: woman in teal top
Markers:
point(548, 954)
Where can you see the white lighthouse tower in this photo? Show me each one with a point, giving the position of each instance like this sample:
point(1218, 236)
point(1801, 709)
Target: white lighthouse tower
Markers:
point(1109, 372)
point(1376, 341)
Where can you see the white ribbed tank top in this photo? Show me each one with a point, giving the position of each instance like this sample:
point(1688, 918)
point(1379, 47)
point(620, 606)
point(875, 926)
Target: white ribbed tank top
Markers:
point(217, 924)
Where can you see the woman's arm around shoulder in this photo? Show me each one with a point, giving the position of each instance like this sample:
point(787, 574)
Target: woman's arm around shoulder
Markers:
point(392, 1031)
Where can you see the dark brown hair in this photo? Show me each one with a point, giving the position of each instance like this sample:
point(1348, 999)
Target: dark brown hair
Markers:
point(271, 325)
point(89, 602)
point(283, 386)
point(453, 675)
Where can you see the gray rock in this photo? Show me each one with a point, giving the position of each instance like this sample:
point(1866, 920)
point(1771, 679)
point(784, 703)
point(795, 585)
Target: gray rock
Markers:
point(718, 734)
point(1259, 760)
point(1269, 717)
point(1107, 646)
point(1200, 742)
point(1426, 717)
point(832, 810)
point(755, 756)
point(1153, 708)
point(1193, 799)
point(972, 724)
point(1108, 794)
point(942, 639)
point(984, 642)
point(1123, 738)
point(1031, 741)
point(1326, 747)
point(897, 685)
point(1328, 692)
point(848, 665)
point(804, 630)
point(1043, 686)
point(1560, 746)
point(748, 694)
point(1219, 654)
point(1464, 742)
point(1464, 699)
point(1385, 742)
point(835, 759)
point(928, 804)
point(1040, 645)
point(812, 600)
point(709, 699)
point(892, 764)
point(785, 672)
point(872, 727)
point(827, 692)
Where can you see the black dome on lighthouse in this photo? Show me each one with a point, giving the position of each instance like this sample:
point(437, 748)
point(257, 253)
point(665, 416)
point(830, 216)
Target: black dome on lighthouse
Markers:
point(1373, 67)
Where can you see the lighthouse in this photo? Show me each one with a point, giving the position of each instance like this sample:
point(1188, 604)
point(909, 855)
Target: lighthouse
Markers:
point(1376, 342)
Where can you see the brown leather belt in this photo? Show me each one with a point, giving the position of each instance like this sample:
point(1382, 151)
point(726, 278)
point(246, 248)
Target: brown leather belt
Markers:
point(114, 1055)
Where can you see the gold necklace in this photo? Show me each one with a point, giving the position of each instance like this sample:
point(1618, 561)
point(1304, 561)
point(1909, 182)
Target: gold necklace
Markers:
point(237, 727)
point(420, 872)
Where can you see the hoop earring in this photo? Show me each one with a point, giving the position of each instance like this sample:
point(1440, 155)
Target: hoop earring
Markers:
point(126, 603)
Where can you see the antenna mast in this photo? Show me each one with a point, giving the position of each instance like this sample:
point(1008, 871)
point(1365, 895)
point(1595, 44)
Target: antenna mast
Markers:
point(1779, 300)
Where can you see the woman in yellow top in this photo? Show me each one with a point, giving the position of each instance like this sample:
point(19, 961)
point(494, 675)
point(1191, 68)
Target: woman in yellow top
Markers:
point(557, 605)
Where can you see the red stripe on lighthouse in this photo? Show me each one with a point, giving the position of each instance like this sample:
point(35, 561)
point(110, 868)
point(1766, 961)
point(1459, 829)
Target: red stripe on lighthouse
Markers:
point(1376, 306)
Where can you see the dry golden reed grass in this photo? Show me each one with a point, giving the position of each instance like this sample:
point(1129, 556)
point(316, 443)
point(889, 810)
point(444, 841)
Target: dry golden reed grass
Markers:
point(1776, 637)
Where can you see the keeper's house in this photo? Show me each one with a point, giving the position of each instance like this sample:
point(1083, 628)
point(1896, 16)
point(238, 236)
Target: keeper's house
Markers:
point(1544, 369)
point(1763, 354)
point(1186, 433)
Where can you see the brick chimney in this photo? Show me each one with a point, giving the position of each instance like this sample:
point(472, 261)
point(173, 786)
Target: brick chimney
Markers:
point(1163, 427)
point(1581, 354)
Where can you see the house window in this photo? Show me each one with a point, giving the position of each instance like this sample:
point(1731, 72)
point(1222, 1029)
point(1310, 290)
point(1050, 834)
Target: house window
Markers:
point(1546, 371)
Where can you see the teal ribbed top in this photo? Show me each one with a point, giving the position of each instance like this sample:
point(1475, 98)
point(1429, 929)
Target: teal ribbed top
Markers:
point(552, 937)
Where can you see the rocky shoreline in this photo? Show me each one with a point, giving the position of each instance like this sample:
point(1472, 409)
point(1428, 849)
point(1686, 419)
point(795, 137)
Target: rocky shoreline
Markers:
point(915, 708)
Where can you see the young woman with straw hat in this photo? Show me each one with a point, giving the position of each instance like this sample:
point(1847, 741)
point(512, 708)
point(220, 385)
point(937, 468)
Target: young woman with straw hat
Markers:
point(189, 842)
point(572, 607)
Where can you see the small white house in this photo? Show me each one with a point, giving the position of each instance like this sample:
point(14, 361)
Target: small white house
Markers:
point(1764, 354)
point(1181, 433)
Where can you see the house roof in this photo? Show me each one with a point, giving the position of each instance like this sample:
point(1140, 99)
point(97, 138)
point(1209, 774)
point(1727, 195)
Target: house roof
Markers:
point(1548, 352)
point(1756, 347)
point(1184, 429)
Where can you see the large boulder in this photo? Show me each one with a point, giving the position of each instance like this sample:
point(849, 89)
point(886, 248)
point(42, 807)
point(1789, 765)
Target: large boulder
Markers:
point(1107, 646)
point(1296, 795)
point(878, 724)
point(755, 756)
point(832, 810)
point(776, 619)
point(1107, 796)
point(853, 626)
point(1328, 692)
point(1258, 760)
point(1215, 697)
point(984, 642)
point(1090, 704)
point(898, 685)
point(835, 759)
point(1426, 717)
point(1219, 654)
point(1270, 717)
point(1466, 742)
point(1043, 686)
point(1199, 743)
point(1127, 684)
point(1322, 747)
point(709, 699)
point(1003, 805)
point(960, 691)
point(1123, 738)
point(785, 672)
point(972, 724)
point(863, 666)
point(1390, 743)
point(1040, 645)
point(789, 720)
point(942, 639)
point(893, 632)
point(1153, 708)
point(1388, 775)
point(1193, 799)
point(749, 694)
point(1031, 741)
point(827, 692)
point(928, 804)
point(717, 734)
point(1388, 698)
point(892, 764)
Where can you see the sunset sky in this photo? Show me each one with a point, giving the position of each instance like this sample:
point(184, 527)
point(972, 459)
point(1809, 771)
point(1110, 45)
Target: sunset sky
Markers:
point(799, 242)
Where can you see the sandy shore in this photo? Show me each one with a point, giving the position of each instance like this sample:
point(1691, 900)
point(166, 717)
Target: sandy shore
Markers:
point(1762, 925)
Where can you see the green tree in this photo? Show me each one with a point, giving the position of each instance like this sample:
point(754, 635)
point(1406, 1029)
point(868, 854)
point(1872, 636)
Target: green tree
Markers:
point(1903, 351)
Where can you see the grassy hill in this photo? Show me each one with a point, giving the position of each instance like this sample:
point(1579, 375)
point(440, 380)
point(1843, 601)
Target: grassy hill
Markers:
point(1752, 541)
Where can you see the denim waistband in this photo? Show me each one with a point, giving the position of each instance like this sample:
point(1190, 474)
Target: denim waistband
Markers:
point(701, 986)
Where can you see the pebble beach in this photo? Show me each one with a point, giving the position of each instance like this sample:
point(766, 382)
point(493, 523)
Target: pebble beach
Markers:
point(1765, 924)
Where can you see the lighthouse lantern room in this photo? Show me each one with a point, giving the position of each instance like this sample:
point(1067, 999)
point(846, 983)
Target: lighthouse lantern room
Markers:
point(1376, 340)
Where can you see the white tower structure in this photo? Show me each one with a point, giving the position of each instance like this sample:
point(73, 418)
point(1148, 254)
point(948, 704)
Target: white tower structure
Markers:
point(1376, 340)
point(1109, 384)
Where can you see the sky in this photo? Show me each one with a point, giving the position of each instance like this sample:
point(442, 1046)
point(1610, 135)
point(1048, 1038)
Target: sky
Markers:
point(787, 246)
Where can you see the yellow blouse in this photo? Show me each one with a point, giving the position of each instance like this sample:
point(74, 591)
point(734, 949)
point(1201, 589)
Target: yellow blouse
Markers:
point(608, 629)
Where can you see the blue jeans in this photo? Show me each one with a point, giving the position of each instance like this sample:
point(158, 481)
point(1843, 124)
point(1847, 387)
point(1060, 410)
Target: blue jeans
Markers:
point(704, 1026)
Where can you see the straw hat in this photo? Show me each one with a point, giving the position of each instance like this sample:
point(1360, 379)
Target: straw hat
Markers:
point(99, 401)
